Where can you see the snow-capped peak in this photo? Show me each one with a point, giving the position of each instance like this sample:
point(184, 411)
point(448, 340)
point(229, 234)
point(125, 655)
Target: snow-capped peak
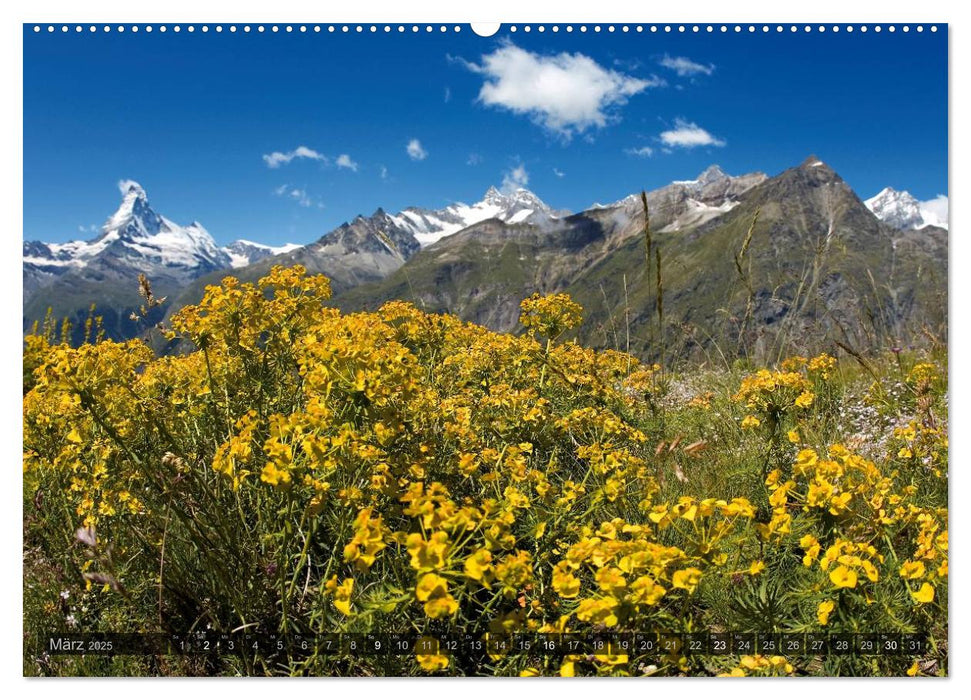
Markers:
point(524, 197)
point(711, 194)
point(712, 173)
point(130, 188)
point(134, 216)
point(629, 200)
point(136, 236)
point(513, 207)
point(493, 195)
point(687, 204)
point(242, 252)
point(902, 210)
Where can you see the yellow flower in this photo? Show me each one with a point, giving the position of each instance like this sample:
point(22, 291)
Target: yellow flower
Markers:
point(838, 503)
point(645, 591)
point(806, 460)
point(925, 594)
point(824, 364)
point(734, 673)
point(427, 555)
point(432, 590)
point(602, 611)
point(467, 463)
point(843, 577)
point(514, 571)
point(752, 662)
point(870, 570)
point(274, 476)
point(565, 583)
point(367, 541)
point(443, 606)
point(914, 669)
point(689, 511)
point(431, 586)
point(478, 566)
point(341, 593)
point(750, 422)
point(805, 399)
point(608, 659)
point(567, 669)
point(779, 497)
point(741, 507)
point(812, 547)
point(611, 581)
point(686, 578)
point(658, 513)
point(793, 436)
point(756, 568)
point(824, 610)
point(431, 662)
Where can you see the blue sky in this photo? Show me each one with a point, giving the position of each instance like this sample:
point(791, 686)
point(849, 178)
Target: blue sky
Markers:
point(281, 137)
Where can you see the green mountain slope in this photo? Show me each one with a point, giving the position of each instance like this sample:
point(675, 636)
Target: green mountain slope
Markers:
point(819, 269)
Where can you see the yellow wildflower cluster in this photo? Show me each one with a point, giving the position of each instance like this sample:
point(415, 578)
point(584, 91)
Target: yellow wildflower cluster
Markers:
point(922, 445)
point(397, 470)
point(775, 391)
point(550, 315)
point(922, 375)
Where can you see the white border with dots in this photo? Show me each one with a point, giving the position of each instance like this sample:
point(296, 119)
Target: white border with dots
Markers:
point(510, 28)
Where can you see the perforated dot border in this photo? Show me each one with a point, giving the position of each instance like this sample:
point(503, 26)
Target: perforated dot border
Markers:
point(421, 29)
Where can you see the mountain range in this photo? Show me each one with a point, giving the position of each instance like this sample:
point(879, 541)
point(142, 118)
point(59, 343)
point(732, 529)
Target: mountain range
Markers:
point(902, 210)
point(136, 238)
point(819, 263)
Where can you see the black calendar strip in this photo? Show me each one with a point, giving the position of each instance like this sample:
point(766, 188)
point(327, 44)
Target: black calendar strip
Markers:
point(621, 643)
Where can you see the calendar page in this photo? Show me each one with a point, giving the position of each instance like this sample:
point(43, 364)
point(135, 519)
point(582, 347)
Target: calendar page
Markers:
point(438, 350)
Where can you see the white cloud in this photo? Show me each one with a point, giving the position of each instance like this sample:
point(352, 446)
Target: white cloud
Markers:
point(298, 195)
point(565, 93)
point(473, 159)
point(415, 150)
point(687, 134)
point(278, 158)
point(642, 152)
point(448, 94)
point(936, 207)
point(384, 172)
point(125, 185)
point(344, 161)
point(685, 67)
point(514, 178)
point(558, 172)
